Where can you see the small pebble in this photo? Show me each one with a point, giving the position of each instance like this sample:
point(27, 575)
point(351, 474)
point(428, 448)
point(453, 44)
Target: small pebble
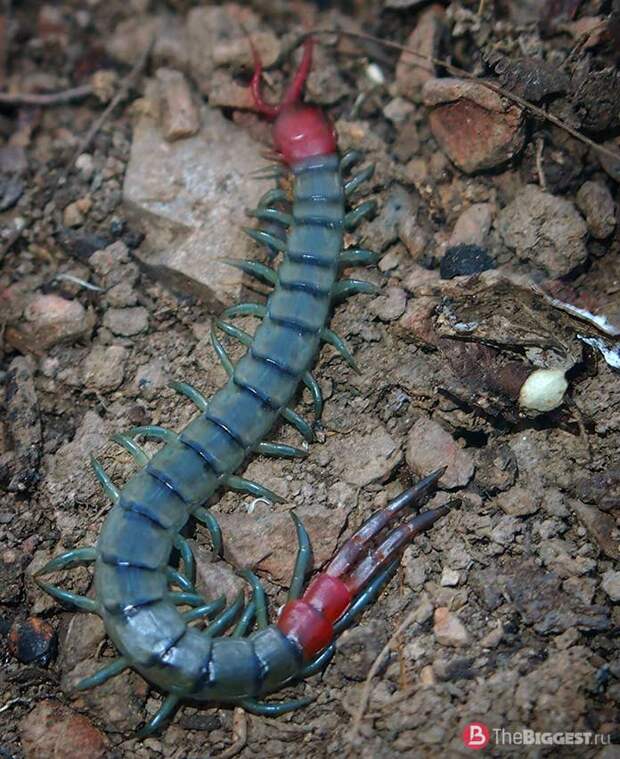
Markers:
point(126, 322)
point(461, 260)
point(597, 204)
point(448, 628)
point(33, 641)
point(611, 584)
point(449, 578)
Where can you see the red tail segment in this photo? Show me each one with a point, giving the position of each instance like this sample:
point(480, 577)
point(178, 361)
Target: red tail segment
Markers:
point(309, 620)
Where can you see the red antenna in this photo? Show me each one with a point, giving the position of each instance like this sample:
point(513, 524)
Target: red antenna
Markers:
point(295, 88)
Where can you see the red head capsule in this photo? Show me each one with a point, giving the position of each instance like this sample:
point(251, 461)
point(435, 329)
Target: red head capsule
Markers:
point(300, 131)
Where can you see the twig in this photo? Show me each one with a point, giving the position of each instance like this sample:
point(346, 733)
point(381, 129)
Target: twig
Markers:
point(540, 146)
point(124, 88)
point(457, 71)
point(363, 704)
point(47, 98)
point(240, 735)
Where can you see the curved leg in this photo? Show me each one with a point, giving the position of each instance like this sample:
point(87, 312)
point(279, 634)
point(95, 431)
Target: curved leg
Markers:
point(206, 518)
point(67, 560)
point(108, 486)
point(303, 562)
point(359, 179)
point(225, 619)
point(358, 257)
point(175, 577)
point(350, 158)
point(353, 218)
point(340, 345)
point(319, 662)
point(104, 674)
point(189, 391)
point(154, 431)
point(207, 610)
point(344, 288)
point(245, 621)
point(272, 214)
point(189, 565)
point(280, 449)
point(265, 709)
point(252, 488)
point(275, 195)
point(245, 309)
point(169, 705)
point(259, 599)
point(130, 445)
point(254, 268)
point(220, 352)
point(81, 602)
point(300, 424)
point(266, 238)
point(315, 391)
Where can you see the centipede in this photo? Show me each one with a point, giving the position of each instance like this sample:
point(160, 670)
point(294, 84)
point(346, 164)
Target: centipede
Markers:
point(229, 653)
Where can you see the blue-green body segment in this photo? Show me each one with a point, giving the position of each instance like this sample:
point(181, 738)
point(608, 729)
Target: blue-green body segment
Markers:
point(138, 535)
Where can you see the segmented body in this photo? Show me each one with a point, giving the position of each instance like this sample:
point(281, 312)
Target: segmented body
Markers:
point(130, 575)
point(133, 578)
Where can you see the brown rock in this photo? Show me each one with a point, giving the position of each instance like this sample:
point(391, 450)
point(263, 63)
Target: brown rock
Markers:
point(417, 322)
point(519, 502)
point(601, 526)
point(126, 321)
point(104, 367)
point(473, 225)
point(180, 117)
point(546, 230)
point(475, 127)
point(597, 205)
point(193, 210)
point(412, 72)
point(390, 305)
point(264, 538)
point(50, 319)
point(51, 731)
point(448, 628)
point(33, 640)
point(368, 458)
point(429, 447)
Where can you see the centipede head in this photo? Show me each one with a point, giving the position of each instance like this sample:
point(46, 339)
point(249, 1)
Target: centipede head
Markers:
point(300, 131)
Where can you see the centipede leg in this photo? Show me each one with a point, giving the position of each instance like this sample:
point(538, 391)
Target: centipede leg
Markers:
point(130, 445)
point(189, 565)
point(175, 577)
point(350, 158)
point(300, 424)
point(315, 392)
point(206, 518)
point(104, 674)
point(221, 353)
point(344, 288)
point(353, 218)
point(340, 345)
point(280, 449)
point(73, 599)
point(303, 562)
point(265, 709)
point(207, 610)
point(258, 598)
point(252, 488)
point(225, 619)
point(109, 488)
point(180, 597)
point(319, 662)
point(165, 711)
point(245, 309)
point(358, 257)
point(272, 214)
point(67, 560)
point(363, 176)
point(245, 621)
point(189, 391)
point(275, 195)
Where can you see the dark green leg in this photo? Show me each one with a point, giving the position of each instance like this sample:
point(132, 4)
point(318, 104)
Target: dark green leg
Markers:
point(189, 565)
point(154, 431)
point(174, 576)
point(189, 391)
point(315, 391)
point(340, 345)
point(220, 352)
point(319, 662)
point(81, 602)
point(245, 621)
point(344, 288)
point(206, 610)
point(350, 158)
point(130, 445)
point(104, 674)
point(259, 598)
point(280, 449)
point(353, 218)
point(245, 309)
point(236, 332)
point(254, 269)
point(363, 176)
point(304, 560)
point(67, 560)
point(358, 257)
point(275, 195)
point(252, 488)
point(153, 725)
point(206, 518)
point(272, 214)
point(265, 709)
point(225, 619)
point(108, 486)
point(266, 238)
point(180, 597)
point(301, 425)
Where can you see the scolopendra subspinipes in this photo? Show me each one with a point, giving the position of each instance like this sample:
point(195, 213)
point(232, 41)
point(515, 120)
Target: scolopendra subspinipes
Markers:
point(133, 576)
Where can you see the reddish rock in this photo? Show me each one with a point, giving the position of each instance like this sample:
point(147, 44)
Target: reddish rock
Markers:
point(412, 71)
point(390, 305)
point(33, 640)
point(448, 628)
point(50, 319)
point(473, 125)
point(417, 322)
point(429, 447)
point(51, 731)
point(473, 225)
point(265, 539)
point(518, 502)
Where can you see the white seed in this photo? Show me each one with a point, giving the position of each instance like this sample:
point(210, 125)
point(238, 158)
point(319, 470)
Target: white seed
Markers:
point(543, 390)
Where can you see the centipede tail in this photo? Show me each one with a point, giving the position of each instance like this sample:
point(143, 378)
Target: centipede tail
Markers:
point(152, 612)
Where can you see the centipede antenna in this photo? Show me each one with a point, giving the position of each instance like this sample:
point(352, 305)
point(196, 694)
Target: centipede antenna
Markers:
point(109, 488)
point(358, 543)
point(104, 674)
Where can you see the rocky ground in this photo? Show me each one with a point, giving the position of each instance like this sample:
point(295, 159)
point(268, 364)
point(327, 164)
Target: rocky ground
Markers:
point(490, 349)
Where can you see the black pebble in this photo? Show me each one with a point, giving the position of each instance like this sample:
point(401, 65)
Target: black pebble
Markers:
point(465, 259)
point(33, 640)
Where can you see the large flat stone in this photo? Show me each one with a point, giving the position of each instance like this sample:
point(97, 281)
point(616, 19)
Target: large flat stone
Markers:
point(189, 197)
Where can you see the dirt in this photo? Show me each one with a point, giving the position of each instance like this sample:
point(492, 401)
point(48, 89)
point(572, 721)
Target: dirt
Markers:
point(512, 598)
